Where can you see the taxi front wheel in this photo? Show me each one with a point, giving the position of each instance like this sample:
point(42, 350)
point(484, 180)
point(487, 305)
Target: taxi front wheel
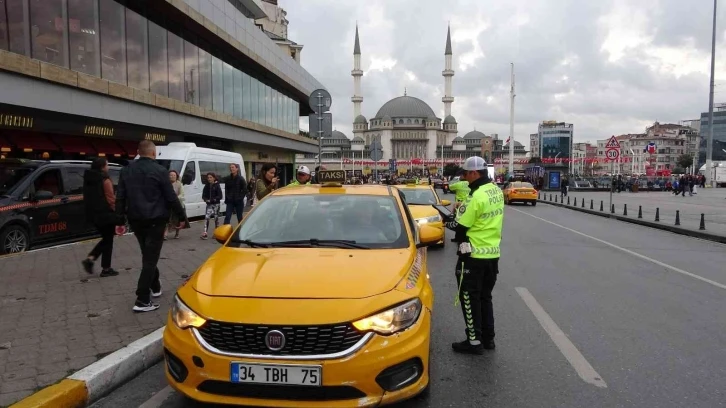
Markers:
point(14, 239)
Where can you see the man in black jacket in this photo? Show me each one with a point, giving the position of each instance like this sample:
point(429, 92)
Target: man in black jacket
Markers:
point(145, 196)
point(235, 190)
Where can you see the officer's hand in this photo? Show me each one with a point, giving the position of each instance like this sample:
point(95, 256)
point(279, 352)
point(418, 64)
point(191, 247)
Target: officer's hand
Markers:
point(464, 249)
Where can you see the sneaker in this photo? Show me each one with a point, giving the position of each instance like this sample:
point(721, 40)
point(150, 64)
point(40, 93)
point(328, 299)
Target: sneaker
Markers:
point(108, 272)
point(87, 265)
point(467, 348)
point(156, 294)
point(204, 236)
point(140, 307)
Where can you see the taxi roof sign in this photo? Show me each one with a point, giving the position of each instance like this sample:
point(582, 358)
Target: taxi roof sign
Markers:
point(331, 177)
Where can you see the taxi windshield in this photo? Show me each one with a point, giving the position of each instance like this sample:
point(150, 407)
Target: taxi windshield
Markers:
point(11, 176)
point(419, 196)
point(342, 221)
point(521, 184)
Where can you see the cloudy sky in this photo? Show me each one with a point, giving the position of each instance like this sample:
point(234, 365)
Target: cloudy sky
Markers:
point(608, 66)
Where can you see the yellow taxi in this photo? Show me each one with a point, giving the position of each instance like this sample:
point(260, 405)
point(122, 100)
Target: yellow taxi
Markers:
point(421, 199)
point(520, 191)
point(320, 297)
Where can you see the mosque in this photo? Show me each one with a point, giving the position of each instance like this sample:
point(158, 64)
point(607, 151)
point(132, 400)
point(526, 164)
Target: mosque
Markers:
point(408, 129)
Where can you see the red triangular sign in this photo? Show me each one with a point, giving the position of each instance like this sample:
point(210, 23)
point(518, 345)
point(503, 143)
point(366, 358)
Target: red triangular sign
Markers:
point(613, 143)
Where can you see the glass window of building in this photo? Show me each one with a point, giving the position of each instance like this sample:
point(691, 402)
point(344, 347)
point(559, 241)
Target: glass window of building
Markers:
point(3, 27)
point(18, 23)
point(205, 78)
point(175, 49)
point(254, 100)
point(137, 50)
point(217, 85)
point(273, 111)
point(267, 106)
point(246, 110)
point(285, 114)
point(228, 89)
point(49, 31)
point(113, 41)
point(237, 93)
point(191, 72)
point(296, 120)
point(158, 64)
point(83, 35)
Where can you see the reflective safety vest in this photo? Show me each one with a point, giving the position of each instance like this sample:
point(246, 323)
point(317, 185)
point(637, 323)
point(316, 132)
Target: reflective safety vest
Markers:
point(461, 189)
point(296, 183)
point(483, 214)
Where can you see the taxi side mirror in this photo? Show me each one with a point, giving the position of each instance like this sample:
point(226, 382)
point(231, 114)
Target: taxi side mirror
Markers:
point(41, 195)
point(222, 234)
point(428, 236)
point(445, 202)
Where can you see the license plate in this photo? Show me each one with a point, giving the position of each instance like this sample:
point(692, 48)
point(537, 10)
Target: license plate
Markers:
point(277, 374)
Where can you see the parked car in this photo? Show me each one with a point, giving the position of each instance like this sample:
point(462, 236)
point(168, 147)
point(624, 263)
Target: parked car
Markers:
point(41, 202)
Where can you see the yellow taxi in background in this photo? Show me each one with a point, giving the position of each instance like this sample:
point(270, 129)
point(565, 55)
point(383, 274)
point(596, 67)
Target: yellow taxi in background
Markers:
point(420, 199)
point(520, 191)
point(319, 298)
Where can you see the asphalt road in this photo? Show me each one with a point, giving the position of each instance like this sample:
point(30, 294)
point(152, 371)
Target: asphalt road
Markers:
point(590, 312)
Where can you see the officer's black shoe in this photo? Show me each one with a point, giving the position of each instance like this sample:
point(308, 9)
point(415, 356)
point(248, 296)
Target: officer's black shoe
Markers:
point(489, 344)
point(467, 348)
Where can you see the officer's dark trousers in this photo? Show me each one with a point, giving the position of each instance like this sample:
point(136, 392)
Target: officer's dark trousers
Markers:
point(475, 296)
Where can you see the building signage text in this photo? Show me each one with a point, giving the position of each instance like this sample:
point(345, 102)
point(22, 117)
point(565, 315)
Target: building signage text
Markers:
point(98, 130)
point(155, 137)
point(16, 121)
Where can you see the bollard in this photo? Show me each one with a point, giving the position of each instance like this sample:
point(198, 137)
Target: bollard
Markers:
point(612, 209)
point(640, 211)
point(583, 203)
point(657, 214)
point(591, 204)
point(703, 223)
point(678, 217)
point(625, 210)
point(601, 206)
point(568, 200)
point(575, 204)
point(550, 196)
point(555, 198)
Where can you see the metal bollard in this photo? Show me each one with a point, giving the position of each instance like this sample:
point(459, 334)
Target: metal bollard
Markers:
point(592, 202)
point(568, 200)
point(601, 206)
point(640, 211)
point(678, 217)
point(583, 203)
point(702, 227)
point(612, 210)
point(575, 204)
point(625, 210)
point(657, 214)
point(550, 196)
point(555, 198)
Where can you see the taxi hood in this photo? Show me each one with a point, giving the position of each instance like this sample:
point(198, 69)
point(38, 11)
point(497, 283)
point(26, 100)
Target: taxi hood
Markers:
point(421, 211)
point(301, 273)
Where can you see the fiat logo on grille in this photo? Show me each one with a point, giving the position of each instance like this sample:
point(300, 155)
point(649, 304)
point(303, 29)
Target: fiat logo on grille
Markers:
point(275, 340)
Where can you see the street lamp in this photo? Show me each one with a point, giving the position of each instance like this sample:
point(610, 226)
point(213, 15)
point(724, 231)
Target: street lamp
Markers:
point(709, 144)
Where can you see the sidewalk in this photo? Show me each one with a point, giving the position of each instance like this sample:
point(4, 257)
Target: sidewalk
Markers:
point(56, 319)
point(709, 202)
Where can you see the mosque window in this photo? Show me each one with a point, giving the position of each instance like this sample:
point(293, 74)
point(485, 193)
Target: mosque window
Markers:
point(409, 121)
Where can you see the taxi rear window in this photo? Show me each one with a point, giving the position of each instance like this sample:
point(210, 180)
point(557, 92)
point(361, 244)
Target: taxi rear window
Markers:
point(419, 196)
point(371, 221)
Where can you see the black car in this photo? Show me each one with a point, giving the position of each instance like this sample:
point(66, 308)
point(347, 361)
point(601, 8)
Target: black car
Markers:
point(41, 202)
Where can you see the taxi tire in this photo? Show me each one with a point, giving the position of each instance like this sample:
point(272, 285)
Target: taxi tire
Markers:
point(534, 203)
point(14, 228)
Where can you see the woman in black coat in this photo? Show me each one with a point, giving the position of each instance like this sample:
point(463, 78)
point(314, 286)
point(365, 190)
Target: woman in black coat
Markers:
point(100, 202)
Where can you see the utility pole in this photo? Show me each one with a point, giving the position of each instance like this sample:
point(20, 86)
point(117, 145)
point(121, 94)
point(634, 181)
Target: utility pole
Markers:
point(511, 127)
point(709, 144)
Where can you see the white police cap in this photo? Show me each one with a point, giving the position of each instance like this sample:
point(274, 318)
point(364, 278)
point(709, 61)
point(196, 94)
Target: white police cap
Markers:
point(475, 163)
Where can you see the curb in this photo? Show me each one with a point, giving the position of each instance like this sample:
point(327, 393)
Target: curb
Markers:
point(100, 378)
point(695, 234)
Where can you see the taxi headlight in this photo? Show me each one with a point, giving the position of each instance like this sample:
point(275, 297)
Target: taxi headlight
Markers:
point(183, 316)
point(426, 220)
point(393, 320)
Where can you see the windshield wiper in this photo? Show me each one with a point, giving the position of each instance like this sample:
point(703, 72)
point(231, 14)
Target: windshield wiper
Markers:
point(339, 243)
point(252, 244)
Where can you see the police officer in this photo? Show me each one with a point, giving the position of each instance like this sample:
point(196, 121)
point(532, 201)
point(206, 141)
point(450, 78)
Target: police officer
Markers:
point(478, 228)
point(303, 176)
point(460, 189)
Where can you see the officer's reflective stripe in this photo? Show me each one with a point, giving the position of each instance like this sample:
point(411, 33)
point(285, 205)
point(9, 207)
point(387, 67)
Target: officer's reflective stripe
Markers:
point(491, 214)
point(470, 331)
point(485, 251)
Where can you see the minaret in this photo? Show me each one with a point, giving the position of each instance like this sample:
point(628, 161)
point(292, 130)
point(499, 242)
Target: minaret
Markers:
point(357, 73)
point(448, 73)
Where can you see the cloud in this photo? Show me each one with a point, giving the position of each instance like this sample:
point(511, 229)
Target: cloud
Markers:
point(609, 67)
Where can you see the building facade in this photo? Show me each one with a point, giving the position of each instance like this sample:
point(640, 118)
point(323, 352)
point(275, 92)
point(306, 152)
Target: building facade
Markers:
point(275, 26)
point(534, 144)
point(719, 135)
point(82, 78)
point(555, 140)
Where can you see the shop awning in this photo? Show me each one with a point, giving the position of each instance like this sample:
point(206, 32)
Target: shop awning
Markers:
point(107, 147)
point(32, 141)
point(130, 147)
point(5, 144)
point(75, 144)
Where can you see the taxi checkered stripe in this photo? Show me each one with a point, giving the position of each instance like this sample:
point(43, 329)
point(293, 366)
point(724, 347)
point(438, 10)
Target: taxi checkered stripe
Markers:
point(39, 203)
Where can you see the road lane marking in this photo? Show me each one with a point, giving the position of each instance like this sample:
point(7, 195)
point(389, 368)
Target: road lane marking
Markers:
point(576, 359)
point(635, 254)
point(157, 399)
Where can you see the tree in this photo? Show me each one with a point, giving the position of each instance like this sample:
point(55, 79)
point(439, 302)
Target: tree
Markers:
point(304, 133)
point(451, 169)
point(684, 161)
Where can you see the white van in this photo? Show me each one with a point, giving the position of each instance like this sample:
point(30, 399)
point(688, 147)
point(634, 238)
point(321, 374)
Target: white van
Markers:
point(193, 163)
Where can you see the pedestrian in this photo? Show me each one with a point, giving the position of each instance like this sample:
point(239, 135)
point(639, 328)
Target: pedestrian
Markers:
point(235, 190)
point(478, 228)
point(100, 205)
point(266, 181)
point(173, 224)
point(212, 195)
point(145, 197)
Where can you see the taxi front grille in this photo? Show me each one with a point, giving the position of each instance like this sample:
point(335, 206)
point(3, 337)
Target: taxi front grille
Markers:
point(299, 340)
